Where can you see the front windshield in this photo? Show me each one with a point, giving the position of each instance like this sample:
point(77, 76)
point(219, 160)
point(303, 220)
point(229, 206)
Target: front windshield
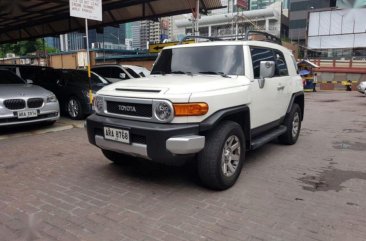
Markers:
point(219, 59)
point(7, 78)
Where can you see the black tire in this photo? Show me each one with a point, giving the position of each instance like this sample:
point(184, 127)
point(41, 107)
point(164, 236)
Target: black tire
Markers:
point(211, 159)
point(117, 158)
point(290, 137)
point(74, 109)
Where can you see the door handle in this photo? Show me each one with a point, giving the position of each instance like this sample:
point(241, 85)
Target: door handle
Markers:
point(280, 87)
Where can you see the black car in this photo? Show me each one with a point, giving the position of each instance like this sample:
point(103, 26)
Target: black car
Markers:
point(72, 90)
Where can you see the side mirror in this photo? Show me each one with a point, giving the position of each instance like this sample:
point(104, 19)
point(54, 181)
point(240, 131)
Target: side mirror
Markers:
point(122, 75)
point(267, 70)
point(60, 82)
point(29, 81)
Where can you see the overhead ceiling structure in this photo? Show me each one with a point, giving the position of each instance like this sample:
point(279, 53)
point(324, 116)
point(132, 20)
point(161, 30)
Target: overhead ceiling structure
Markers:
point(29, 19)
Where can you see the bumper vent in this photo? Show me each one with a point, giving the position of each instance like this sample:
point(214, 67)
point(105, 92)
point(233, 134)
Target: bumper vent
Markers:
point(130, 109)
point(14, 104)
point(35, 102)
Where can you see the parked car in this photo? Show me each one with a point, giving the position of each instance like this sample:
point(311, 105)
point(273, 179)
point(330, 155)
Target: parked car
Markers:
point(212, 101)
point(362, 87)
point(72, 89)
point(116, 72)
point(24, 103)
point(30, 72)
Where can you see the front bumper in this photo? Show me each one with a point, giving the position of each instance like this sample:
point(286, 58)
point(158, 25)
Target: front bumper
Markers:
point(165, 143)
point(49, 112)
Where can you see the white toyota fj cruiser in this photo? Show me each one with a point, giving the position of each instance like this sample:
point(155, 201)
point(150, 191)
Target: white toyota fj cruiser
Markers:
point(212, 100)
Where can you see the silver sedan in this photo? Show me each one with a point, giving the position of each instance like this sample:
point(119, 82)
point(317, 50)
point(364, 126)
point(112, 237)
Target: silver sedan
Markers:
point(22, 103)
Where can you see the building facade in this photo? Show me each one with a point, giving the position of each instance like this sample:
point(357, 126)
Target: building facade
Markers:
point(226, 24)
point(298, 16)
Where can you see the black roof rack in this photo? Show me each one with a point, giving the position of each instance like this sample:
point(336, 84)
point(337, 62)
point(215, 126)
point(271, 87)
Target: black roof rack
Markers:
point(267, 37)
point(199, 37)
point(264, 36)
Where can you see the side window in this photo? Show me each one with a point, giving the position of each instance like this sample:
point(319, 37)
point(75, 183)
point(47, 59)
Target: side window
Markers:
point(103, 71)
point(118, 73)
point(281, 66)
point(258, 55)
point(132, 73)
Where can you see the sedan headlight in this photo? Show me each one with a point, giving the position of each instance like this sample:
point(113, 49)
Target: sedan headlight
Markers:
point(98, 105)
point(164, 111)
point(51, 98)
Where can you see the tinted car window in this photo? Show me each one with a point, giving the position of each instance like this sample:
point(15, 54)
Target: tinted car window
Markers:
point(116, 73)
point(7, 77)
point(110, 72)
point(104, 71)
point(281, 66)
point(208, 59)
point(132, 73)
point(258, 55)
point(81, 77)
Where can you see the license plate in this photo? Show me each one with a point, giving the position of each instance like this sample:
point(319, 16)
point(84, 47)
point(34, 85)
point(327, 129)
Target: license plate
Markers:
point(27, 114)
point(117, 135)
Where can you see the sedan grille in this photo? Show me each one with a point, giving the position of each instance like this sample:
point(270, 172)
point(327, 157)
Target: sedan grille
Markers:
point(35, 102)
point(130, 109)
point(14, 104)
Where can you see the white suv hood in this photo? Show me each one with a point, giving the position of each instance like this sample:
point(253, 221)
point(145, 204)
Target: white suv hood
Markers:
point(162, 85)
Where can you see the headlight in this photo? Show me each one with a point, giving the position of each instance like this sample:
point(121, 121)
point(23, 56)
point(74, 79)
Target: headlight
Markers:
point(98, 103)
point(51, 98)
point(164, 111)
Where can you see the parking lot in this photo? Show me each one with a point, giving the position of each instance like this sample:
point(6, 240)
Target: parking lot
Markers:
point(54, 185)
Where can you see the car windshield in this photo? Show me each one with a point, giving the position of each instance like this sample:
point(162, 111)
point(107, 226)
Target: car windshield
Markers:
point(219, 59)
point(7, 77)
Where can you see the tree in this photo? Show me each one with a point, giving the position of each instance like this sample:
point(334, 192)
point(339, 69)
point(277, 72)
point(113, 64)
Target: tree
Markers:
point(23, 48)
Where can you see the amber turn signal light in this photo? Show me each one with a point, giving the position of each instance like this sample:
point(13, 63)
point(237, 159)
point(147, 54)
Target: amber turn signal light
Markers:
point(190, 109)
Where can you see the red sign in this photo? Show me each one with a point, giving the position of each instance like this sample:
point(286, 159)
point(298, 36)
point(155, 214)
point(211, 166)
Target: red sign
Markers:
point(242, 4)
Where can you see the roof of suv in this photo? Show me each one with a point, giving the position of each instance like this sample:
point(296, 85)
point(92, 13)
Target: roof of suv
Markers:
point(238, 42)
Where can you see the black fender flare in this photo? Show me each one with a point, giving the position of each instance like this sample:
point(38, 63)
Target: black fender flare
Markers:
point(211, 121)
point(292, 101)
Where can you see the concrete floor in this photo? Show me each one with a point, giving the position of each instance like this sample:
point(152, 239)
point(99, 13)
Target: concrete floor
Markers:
point(56, 186)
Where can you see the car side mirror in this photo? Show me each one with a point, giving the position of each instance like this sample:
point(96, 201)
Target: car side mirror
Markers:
point(29, 81)
point(60, 82)
point(122, 75)
point(267, 70)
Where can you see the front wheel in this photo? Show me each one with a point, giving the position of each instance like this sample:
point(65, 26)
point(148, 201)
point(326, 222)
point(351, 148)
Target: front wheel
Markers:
point(293, 124)
point(74, 109)
point(220, 162)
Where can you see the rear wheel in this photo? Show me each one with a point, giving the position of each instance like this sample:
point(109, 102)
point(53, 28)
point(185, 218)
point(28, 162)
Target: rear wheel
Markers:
point(293, 124)
point(220, 162)
point(117, 158)
point(74, 108)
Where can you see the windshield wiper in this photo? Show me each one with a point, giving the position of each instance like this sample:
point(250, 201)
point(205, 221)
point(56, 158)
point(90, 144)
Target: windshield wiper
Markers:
point(181, 72)
point(216, 73)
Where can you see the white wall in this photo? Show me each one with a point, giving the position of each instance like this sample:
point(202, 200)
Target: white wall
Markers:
point(344, 28)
